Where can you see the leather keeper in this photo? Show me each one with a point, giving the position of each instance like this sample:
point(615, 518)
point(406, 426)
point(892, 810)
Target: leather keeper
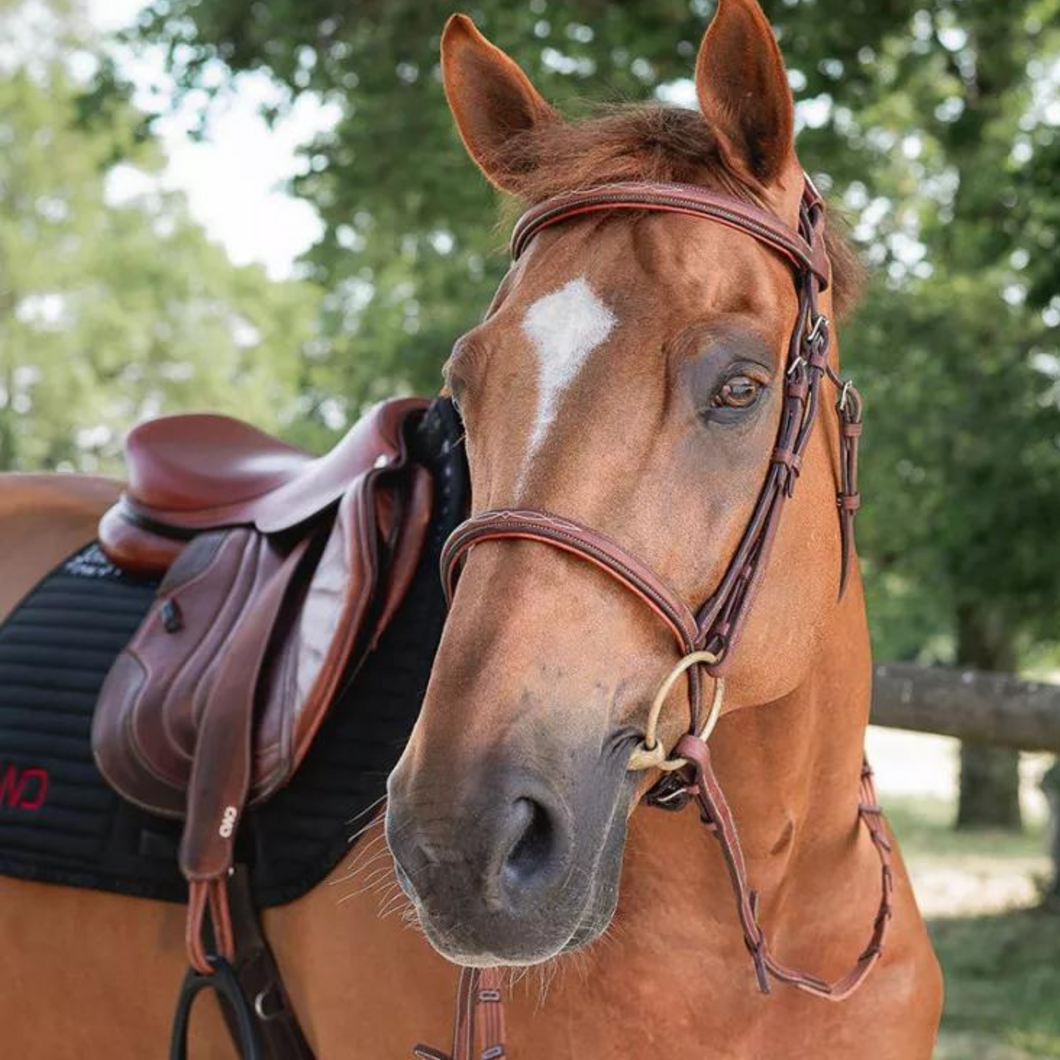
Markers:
point(788, 458)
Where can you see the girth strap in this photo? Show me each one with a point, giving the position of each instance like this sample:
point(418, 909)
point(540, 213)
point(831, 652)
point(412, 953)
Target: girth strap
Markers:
point(254, 1001)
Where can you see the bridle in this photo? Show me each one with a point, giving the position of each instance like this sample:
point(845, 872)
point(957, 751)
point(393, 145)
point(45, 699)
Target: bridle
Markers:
point(705, 637)
point(716, 625)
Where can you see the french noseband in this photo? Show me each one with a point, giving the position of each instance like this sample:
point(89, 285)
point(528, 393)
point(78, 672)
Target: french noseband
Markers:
point(707, 636)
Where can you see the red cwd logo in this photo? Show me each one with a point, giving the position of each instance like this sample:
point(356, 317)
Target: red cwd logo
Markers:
point(23, 788)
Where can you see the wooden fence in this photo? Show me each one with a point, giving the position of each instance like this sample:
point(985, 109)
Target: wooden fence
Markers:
point(990, 708)
point(996, 709)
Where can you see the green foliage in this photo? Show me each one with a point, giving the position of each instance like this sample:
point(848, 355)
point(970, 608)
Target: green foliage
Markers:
point(1001, 972)
point(411, 252)
point(933, 121)
point(109, 313)
point(957, 357)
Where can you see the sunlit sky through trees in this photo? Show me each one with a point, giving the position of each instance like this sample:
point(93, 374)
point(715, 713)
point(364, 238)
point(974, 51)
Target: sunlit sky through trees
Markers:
point(234, 177)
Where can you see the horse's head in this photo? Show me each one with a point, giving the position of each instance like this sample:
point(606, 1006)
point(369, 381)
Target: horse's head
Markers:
point(629, 375)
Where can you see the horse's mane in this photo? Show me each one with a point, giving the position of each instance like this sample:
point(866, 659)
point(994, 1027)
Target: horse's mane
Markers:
point(652, 142)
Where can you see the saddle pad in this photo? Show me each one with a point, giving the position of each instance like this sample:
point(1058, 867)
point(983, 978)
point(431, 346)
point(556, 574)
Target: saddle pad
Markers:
point(59, 820)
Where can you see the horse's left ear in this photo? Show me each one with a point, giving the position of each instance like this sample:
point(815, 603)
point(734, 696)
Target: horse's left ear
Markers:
point(743, 91)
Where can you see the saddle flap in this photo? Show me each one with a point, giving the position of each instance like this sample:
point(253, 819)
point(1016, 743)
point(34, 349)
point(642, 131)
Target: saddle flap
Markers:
point(337, 616)
point(150, 709)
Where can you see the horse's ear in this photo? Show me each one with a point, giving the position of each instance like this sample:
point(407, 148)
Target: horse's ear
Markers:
point(743, 90)
point(491, 99)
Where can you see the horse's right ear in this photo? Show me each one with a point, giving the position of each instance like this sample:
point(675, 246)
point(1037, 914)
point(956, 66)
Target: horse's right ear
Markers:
point(491, 99)
point(744, 94)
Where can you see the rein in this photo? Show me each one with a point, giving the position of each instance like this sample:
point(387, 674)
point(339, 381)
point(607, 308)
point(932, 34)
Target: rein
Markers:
point(706, 636)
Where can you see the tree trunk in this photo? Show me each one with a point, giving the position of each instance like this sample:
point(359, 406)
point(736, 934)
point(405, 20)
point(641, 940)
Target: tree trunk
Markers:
point(990, 782)
point(1051, 788)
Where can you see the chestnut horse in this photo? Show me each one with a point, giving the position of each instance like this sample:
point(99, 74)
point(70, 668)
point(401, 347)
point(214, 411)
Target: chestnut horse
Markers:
point(629, 376)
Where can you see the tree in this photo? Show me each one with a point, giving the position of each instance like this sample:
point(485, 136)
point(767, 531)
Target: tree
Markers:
point(932, 121)
point(411, 250)
point(113, 312)
point(959, 347)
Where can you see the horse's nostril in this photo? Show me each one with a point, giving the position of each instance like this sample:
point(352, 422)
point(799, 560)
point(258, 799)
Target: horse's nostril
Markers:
point(532, 852)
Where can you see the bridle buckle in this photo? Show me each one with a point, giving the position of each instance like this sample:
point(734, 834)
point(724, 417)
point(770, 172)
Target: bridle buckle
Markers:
point(818, 331)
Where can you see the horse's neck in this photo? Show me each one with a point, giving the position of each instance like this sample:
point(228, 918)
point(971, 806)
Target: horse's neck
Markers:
point(790, 770)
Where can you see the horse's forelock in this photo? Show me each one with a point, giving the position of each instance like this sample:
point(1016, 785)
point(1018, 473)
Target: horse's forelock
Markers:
point(653, 142)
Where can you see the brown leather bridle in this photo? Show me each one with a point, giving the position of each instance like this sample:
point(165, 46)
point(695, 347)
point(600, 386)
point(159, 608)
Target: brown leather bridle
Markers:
point(705, 637)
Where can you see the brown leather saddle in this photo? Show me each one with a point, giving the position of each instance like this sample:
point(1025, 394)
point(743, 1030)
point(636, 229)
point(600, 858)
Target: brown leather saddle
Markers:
point(281, 570)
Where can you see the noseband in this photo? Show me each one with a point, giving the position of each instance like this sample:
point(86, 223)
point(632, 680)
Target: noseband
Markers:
point(707, 636)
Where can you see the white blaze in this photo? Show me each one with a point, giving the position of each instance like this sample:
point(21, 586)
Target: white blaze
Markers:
point(564, 327)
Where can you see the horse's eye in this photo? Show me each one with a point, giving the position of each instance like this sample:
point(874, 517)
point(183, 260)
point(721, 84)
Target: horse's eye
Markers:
point(456, 388)
point(739, 392)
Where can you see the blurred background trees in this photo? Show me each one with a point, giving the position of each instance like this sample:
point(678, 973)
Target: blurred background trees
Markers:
point(116, 307)
point(935, 124)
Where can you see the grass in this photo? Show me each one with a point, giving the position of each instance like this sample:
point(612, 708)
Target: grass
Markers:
point(1002, 984)
point(924, 827)
point(1002, 969)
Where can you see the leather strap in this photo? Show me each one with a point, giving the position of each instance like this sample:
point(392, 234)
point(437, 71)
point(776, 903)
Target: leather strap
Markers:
point(479, 1020)
point(701, 784)
point(606, 554)
point(260, 981)
point(803, 249)
point(849, 408)
point(220, 776)
point(602, 551)
point(254, 1002)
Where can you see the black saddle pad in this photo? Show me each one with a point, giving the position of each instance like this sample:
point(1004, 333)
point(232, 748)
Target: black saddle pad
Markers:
point(59, 820)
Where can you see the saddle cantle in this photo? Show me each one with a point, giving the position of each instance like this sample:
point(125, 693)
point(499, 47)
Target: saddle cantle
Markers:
point(283, 570)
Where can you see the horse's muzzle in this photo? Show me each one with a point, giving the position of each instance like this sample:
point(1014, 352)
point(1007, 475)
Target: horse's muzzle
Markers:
point(488, 868)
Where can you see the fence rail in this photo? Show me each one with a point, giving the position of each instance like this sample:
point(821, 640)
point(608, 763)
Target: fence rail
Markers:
point(990, 708)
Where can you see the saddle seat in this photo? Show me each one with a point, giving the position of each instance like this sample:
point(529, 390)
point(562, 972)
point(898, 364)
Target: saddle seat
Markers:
point(200, 462)
point(202, 471)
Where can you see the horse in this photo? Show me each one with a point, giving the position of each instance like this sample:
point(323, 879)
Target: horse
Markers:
point(622, 401)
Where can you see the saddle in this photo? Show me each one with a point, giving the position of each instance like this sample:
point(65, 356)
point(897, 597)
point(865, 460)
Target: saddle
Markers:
point(281, 570)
